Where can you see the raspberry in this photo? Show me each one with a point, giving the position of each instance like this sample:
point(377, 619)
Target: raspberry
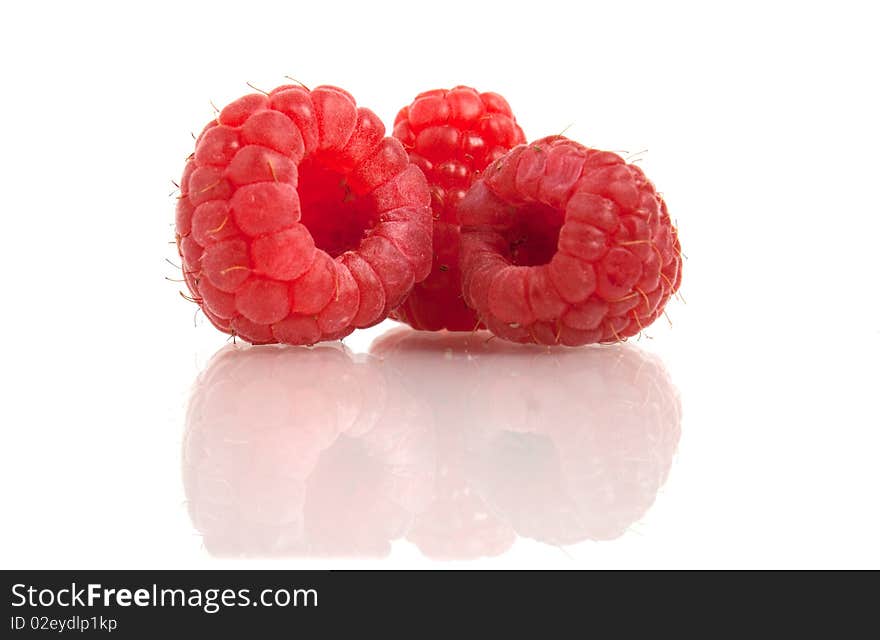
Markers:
point(298, 220)
point(294, 451)
point(452, 135)
point(562, 244)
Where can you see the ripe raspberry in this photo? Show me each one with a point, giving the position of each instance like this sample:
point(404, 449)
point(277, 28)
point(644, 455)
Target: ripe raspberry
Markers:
point(452, 135)
point(298, 220)
point(562, 244)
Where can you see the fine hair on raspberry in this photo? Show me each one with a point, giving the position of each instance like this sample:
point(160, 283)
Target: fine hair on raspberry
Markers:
point(563, 244)
point(452, 135)
point(298, 220)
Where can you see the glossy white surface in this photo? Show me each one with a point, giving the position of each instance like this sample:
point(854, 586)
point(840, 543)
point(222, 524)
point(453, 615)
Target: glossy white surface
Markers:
point(455, 443)
point(762, 130)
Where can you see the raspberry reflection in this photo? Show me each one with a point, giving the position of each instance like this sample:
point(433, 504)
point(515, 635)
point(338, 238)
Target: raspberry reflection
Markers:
point(292, 451)
point(453, 442)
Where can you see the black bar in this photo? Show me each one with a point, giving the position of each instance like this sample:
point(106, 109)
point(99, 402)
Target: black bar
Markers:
point(331, 603)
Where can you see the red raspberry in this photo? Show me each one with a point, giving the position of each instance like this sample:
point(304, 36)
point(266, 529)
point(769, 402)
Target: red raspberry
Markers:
point(298, 220)
point(562, 244)
point(452, 135)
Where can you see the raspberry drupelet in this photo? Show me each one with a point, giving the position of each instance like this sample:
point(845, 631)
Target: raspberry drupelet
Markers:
point(298, 220)
point(452, 135)
point(562, 244)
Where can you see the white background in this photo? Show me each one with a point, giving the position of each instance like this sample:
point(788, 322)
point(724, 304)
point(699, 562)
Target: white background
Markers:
point(760, 121)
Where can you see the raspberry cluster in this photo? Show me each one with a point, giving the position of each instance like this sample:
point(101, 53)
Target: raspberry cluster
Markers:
point(299, 221)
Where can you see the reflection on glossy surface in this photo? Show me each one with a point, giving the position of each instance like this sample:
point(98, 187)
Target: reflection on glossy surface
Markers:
point(456, 443)
point(295, 451)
